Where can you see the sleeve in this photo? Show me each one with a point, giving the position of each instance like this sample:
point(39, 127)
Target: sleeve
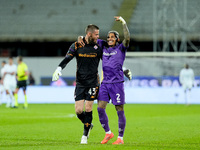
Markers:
point(69, 56)
point(181, 77)
point(193, 76)
point(101, 43)
point(123, 48)
point(2, 72)
point(25, 67)
point(15, 68)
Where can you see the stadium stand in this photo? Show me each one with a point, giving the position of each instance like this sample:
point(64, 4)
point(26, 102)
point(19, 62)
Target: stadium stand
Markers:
point(54, 20)
point(126, 11)
point(63, 20)
point(142, 20)
point(30, 27)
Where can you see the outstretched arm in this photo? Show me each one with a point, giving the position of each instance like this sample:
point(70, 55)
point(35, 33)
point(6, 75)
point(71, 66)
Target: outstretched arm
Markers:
point(125, 30)
point(69, 56)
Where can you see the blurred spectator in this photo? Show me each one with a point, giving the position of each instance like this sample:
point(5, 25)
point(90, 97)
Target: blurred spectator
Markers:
point(31, 79)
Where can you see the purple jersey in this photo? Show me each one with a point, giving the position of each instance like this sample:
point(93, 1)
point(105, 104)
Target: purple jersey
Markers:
point(112, 62)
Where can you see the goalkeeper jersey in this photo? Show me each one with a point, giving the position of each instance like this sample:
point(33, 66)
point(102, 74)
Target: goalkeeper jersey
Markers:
point(87, 58)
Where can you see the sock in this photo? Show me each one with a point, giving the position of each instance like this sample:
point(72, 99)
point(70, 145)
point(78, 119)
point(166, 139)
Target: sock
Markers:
point(25, 102)
point(12, 100)
point(109, 132)
point(7, 100)
point(81, 116)
point(16, 99)
point(120, 137)
point(103, 118)
point(87, 122)
point(188, 97)
point(121, 123)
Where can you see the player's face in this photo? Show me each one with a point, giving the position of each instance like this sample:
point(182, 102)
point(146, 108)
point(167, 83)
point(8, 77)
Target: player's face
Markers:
point(93, 36)
point(10, 61)
point(2, 64)
point(18, 61)
point(111, 39)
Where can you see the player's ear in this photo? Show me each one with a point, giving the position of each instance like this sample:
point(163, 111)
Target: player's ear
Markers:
point(118, 40)
point(90, 33)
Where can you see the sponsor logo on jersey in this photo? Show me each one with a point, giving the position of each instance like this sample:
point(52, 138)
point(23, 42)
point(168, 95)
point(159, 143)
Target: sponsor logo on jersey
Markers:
point(109, 54)
point(88, 55)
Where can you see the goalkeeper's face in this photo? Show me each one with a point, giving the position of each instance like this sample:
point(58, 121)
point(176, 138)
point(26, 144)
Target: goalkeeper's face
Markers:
point(93, 37)
point(111, 39)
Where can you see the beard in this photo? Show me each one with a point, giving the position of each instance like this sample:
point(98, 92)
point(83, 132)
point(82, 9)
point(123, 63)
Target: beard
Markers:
point(91, 40)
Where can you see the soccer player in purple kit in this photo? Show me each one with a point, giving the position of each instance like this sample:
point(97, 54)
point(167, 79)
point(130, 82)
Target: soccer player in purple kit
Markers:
point(112, 86)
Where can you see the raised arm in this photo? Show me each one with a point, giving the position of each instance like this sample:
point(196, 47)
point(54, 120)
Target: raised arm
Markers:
point(125, 30)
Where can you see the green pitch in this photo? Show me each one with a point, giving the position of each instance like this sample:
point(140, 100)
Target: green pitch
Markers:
point(55, 127)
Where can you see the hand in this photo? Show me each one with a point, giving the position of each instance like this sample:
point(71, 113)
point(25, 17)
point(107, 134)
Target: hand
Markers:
point(119, 18)
point(56, 74)
point(128, 73)
point(80, 41)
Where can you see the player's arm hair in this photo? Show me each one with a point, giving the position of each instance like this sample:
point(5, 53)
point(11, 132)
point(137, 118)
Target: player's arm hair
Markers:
point(126, 35)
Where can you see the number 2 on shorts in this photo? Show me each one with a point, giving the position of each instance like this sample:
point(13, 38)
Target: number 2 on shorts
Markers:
point(118, 97)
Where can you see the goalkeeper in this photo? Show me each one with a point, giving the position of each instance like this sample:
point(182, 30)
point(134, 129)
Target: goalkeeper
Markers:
point(87, 78)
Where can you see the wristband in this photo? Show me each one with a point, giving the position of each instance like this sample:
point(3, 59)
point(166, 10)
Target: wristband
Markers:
point(122, 20)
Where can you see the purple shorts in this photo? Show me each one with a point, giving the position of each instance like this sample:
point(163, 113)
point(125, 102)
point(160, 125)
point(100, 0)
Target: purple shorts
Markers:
point(113, 91)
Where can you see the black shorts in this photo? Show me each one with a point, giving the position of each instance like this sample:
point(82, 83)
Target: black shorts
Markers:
point(86, 93)
point(22, 84)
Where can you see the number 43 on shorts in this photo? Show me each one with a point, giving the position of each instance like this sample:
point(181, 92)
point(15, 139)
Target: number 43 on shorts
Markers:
point(92, 91)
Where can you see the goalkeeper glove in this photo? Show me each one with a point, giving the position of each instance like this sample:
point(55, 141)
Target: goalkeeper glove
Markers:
point(56, 74)
point(128, 73)
point(122, 20)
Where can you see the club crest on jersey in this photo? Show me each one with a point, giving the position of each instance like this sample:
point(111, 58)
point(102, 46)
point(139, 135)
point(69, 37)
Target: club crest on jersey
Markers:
point(95, 47)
